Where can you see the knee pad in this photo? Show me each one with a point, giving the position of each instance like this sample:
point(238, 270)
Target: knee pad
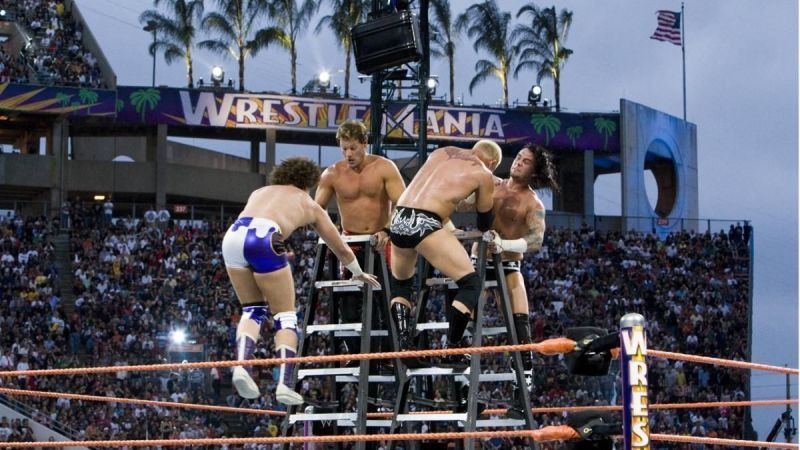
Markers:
point(469, 290)
point(402, 288)
point(285, 320)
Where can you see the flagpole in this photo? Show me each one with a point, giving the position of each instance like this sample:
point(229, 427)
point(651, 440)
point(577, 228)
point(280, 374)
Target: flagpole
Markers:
point(683, 51)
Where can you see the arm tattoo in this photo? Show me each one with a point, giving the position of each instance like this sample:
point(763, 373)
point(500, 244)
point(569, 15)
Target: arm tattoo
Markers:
point(454, 153)
point(536, 227)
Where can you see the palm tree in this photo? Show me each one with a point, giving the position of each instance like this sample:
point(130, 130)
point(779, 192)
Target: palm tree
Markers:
point(87, 97)
point(237, 35)
point(606, 128)
point(176, 31)
point(145, 99)
point(540, 45)
point(489, 26)
point(346, 15)
point(292, 19)
point(442, 34)
point(550, 124)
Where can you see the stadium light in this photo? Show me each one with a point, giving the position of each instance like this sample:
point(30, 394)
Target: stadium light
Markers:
point(324, 79)
point(217, 75)
point(177, 336)
point(2, 13)
point(432, 84)
point(534, 95)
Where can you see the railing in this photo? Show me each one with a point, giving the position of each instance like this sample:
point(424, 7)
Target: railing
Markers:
point(31, 413)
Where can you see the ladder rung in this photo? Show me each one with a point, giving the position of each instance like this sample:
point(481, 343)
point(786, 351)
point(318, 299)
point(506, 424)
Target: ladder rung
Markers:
point(327, 371)
point(333, 327)
point(452, 285)
point(435, 417)
point(338, 284)
point(350, 238)
point(319, 417)
point(372, 379)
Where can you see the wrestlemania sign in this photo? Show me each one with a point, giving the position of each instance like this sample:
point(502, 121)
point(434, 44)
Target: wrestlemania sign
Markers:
point(172, 106)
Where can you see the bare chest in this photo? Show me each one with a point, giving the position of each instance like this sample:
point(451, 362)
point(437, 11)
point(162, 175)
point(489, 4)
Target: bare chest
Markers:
point(352, 185)
point(510, 210)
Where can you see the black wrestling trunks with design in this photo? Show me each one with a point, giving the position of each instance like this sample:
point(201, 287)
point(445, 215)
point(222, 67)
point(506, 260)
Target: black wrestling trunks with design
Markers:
point(509, 267)
point(410, 226)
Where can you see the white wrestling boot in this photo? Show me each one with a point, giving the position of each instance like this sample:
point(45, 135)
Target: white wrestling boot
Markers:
point(244, 383)
point(284, 393)
point(287, 396)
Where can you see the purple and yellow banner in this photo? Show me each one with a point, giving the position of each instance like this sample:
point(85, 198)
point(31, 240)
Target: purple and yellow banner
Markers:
point(57, 100)
point(204, 108)
point(599, 132)
point(635, 419)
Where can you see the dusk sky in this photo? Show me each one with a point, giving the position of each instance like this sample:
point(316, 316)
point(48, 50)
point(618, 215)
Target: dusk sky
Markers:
point(742, 92)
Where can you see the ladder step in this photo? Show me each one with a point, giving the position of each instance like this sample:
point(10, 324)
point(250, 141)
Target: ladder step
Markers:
point(452, 284)
point(350, 238)
point(354, 329)
point(328, 371)
point(372, 379)
point(321, 417)
point(339, 284)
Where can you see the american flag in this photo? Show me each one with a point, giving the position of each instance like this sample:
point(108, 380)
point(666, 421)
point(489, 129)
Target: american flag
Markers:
point(669, 27)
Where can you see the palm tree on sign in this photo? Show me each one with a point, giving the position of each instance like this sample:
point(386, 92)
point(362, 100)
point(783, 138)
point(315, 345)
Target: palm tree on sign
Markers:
point(550, 124)
point(540, 44)
point(87, 97)
point(606, 128)
point(443, 32)
point(489, 26)
point(176, 31)
point(237, 36)
point(346, 15)
point(145, 99)
point(292, 19)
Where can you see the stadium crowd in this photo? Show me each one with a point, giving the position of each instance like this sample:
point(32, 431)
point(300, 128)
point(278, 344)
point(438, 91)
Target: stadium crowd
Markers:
point(55, 54)
point(135, 283)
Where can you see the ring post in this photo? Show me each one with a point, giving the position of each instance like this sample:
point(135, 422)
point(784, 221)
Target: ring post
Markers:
point(633, 345)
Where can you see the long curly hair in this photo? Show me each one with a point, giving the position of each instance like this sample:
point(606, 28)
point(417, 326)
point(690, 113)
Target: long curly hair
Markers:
point(544, 170)
point(299, 172)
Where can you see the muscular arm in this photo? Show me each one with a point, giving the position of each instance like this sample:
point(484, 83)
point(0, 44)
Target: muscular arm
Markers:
point(536, 226)
point(325, 189)
point(394, 183)
point(328, 232)
point(483, 200)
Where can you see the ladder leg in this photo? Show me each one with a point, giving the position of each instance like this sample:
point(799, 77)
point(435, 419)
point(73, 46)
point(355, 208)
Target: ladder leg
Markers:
point(364, 364)
point(516, 357)
point(475, 363)
point(308, 319)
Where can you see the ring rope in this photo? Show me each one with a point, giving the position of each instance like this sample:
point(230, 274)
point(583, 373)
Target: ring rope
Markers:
point(560, 432)
point(379, 415)
point(720, 441)
point(722, 362)
point(547, 347)
point(136, 401)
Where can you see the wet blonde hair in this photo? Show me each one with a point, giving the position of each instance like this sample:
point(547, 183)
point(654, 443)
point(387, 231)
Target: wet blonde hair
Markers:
point(490, 149)
point(352, 130)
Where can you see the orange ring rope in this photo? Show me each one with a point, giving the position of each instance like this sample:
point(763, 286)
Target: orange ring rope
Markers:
point(561, 432)
point(548, 347)
point(379, 415)
point(720, 441)
point(559, 409)
point(136, 401)
point(552, 433)
point(722, 362)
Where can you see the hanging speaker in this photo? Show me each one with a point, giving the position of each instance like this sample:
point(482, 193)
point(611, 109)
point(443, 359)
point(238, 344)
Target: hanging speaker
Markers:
point(387, 41)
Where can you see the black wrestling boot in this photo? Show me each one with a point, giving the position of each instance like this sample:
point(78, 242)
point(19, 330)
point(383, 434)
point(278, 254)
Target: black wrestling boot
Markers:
point(401, 314)
point(523, 328)
point(455, 333)
point(462, 399)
